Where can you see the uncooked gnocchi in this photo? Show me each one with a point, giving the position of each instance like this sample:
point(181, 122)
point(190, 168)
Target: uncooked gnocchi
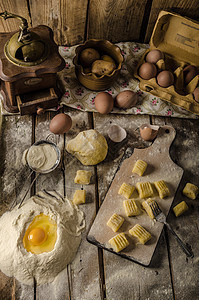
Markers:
point(141, 233)
point(115, 222)
point(145, 189)
point(119, 242)
point(139, 167)
point(83, 177)
point(162, 188)
point(131, 208)
point(126, 190)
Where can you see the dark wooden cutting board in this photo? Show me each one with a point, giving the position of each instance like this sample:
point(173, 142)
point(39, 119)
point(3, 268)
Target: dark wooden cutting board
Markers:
point(160, 167)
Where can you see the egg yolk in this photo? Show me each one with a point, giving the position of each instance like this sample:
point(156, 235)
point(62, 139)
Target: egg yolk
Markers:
point(37, 236)
point(41, 235)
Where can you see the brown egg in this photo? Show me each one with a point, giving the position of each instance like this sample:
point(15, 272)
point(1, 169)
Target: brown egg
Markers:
point(165, 79)
point(61, 123)
point(147, 70)
point(126, 99)
point(189, 73)
point(148, 132)
point(196, 94)
point(154, 55)
point(104, 103)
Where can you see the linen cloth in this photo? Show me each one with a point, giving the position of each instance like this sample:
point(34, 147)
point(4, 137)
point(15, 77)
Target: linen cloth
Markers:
point(79, 97)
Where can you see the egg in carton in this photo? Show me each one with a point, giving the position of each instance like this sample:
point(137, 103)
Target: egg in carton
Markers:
point(170, 68)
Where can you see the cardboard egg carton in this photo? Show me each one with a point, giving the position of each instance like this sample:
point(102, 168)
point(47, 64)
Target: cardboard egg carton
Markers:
point(177, 38)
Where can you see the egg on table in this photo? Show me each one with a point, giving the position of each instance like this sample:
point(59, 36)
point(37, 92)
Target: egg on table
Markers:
point(126, 99)
point(61, 123)
point(104, 103)
point(39, 239)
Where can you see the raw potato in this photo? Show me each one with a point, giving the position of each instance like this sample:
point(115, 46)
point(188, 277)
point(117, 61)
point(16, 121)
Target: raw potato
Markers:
point(102, 67)
point(107, 58)
point(88, 56)
point(89, 146)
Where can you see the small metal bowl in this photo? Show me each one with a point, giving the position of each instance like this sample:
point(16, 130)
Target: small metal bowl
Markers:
point(57, 160)
point(90, 80)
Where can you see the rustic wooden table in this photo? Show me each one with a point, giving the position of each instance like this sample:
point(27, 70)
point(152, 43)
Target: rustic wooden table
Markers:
point(95, 273)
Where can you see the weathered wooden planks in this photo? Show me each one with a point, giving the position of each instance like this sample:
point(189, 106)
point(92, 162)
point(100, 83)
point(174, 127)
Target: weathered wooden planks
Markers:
point(15, 7)
point(54, 180)
point(115, 20)
point(66, 18)
point(73, 22)
point(187, 8)
point(84, 275)
point(184, 152)
point(16, 136)
point(124, 279)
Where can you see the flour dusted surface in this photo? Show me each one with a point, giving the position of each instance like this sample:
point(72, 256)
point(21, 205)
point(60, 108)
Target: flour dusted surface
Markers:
point(25, 266)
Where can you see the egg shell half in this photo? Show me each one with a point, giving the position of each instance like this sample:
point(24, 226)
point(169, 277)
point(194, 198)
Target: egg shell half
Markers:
point(104, 103)
point(148, 132)
point(61, 123)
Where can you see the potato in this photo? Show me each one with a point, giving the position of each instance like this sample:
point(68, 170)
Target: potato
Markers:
point(108, 58)
point(88, 56)
point(102, 67)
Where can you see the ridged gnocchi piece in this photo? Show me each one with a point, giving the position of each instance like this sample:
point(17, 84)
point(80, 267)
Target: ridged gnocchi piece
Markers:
point(83, 177)
point(180, 208)
point(191, 191)
point(139, 167)
point(147, 207)
point(119, 242)
point(131, 208)
point(126, 190)
point(141, 233)
point(115, 222)
point(79, 197)
point(162, 188)
point(145, 189)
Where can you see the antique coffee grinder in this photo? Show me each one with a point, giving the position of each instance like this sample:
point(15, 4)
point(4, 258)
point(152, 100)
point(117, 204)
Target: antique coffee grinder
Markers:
point(29, 61)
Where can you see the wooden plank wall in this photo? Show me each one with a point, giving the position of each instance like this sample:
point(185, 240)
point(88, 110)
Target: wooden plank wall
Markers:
point(75, 21)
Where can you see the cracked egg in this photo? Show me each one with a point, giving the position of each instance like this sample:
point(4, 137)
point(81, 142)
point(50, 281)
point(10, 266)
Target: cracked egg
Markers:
point(39, 239)
point(40, 235)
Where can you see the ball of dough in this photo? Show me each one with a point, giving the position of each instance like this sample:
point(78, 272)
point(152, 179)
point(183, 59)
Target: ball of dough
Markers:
point(89, 146)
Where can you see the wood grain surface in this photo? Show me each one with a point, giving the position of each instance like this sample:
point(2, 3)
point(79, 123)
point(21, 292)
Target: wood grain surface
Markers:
point(75, 21)
point(160, 167)
point(15, 7)
point(98, 274)
point(66, 18)
point(187, 8)
point(108, 19)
